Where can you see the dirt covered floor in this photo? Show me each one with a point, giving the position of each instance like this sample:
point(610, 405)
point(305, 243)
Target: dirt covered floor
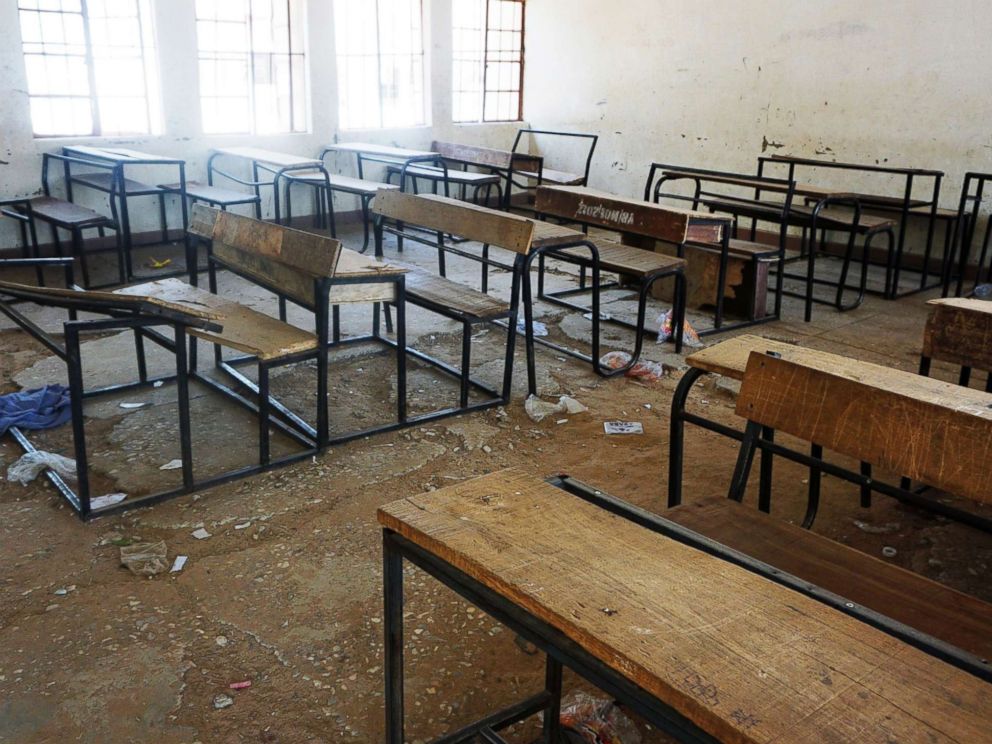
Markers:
point(286, 590)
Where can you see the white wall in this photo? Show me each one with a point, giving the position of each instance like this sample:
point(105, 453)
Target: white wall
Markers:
point(707, 82)
point(183, 137)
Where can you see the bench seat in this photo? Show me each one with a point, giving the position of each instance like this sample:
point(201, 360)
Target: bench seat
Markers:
point(341, 183)
point(213, 194)
point(626, 259)
point(842, 217)
point(104, 182)
point(469, 178)
point(561, 178)
point(548, 233)
point(244, 329)
point(954, 617)
point(439, 291)
point(742, 249)
point(65, 214)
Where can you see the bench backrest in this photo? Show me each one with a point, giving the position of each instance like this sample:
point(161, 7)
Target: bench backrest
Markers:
point(959, 331)
point(565, 151)
point(289, 259)
point(455, 217)
point(472, 154)
point(931, 431)
point(581, 204)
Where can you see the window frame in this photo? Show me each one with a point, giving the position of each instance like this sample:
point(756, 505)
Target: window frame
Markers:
point(484, 62)
point(147, 54)
point(424, 118)
point(297, 20)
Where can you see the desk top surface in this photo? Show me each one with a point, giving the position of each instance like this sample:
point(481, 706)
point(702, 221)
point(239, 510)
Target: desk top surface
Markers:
point(118, 154)
point(370, 149)
point(269, 157)
point(745, 659)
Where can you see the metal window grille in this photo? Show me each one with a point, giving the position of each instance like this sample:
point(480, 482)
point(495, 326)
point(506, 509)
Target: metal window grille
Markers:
point(251, 66)
point(90, 67)
point(488, 60)
point(380, 61)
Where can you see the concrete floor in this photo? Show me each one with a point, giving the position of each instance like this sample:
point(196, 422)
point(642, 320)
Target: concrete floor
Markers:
point(286, 591)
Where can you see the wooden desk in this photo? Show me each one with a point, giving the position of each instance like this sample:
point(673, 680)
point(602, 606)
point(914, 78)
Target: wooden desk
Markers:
point(276, 163)
point(115, 183)
point(729, 359)
point(905, 205)
point(381, 154)
point(696, 645)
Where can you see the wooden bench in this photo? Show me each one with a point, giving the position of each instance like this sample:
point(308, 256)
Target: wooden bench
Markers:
point(314, 273)
point(449, 175)
point(903, 423)
point(704, 643)
point(214, 196)
point(442, 216)
point(905, 206)
point(959, 331)
point(735, 282)
point(63, 214)
point(729, 359)
point(452, 299)
point(535, 173)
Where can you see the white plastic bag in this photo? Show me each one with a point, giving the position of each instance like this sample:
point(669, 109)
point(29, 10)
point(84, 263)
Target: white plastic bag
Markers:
point(27, 468)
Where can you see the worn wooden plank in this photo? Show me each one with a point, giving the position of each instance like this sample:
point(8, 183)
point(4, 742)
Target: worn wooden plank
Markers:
point(447, 215)
point(486, 157)
point(745, 659)
point(729, 357)
point(244, 329)
point(451, 294)
point(626, 259)
point(549, 175)
point(621, 214)
point(316, 255)
point(61, 297)
point(368, 148)
point(931, 431)
point(928, 606)
point(268, 157)
point(959, 331)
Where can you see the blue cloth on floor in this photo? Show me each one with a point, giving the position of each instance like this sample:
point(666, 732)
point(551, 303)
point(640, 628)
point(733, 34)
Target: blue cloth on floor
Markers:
point(42, 408)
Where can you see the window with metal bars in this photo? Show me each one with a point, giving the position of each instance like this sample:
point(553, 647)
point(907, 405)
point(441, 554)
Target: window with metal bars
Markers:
point(380, 61)
point(488, 60)
point(252, 66)
point(90, 67)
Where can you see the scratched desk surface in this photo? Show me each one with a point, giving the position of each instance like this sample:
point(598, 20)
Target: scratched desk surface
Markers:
point(745, 659)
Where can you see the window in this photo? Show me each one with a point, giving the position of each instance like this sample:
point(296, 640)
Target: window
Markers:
point(488, 60)
point(380, 55)
point(90, 67)
point(252, 66)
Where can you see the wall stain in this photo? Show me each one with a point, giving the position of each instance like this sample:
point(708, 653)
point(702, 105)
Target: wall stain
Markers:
point(766, 143)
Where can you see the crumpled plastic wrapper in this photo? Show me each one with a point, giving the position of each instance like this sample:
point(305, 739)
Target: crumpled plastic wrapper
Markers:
point(145, 559)
point(597, 721)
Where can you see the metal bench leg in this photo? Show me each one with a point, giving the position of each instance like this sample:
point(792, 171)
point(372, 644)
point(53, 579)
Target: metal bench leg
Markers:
point(77, 252)
point(813, 492)
point(162, 221)
point(676, 436)
point(365, 201)
point(765, 475)
point(485, 267)
point(552, 716)
point(400, 349)
point(263, 414)
point(182, 402)
point(74, 370)
point(392, 582)
point(466, 363)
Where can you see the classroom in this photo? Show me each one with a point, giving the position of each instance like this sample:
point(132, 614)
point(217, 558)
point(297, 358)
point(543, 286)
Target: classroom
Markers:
point(495, 371)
